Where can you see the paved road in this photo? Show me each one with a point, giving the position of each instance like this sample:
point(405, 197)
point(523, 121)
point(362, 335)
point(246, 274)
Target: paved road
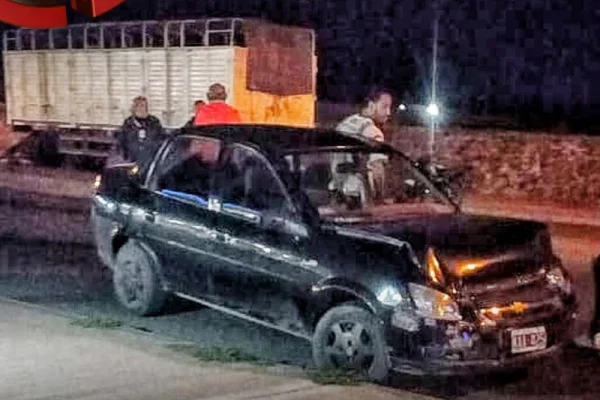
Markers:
point(68, 276)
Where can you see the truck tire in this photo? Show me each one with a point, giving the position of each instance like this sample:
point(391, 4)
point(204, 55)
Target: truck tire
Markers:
point(135, 281)
point(350, 337)
point(47, 150)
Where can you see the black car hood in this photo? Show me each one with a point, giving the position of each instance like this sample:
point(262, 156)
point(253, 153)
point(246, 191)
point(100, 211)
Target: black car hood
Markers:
point(460, 238)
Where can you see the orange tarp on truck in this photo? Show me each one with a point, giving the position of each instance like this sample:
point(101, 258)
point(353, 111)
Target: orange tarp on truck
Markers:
point(262, 107)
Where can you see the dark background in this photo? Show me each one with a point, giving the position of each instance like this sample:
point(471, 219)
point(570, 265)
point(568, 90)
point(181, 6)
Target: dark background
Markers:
point(537, 61)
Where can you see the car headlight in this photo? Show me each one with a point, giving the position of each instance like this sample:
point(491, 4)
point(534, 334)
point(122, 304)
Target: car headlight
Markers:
point(391, 296)
point(430, 303)
point(426, 302)
point(404, 315)
point(556, 278)
point(418, 302)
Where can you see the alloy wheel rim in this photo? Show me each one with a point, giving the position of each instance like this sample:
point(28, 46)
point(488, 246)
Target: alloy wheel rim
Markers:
point(130, 283)
point(349, 345)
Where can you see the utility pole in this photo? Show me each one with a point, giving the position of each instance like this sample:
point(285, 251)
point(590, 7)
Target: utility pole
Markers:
point(433, 109)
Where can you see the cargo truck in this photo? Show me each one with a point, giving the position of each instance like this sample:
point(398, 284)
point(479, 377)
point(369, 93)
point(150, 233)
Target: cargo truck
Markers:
point(73, 86)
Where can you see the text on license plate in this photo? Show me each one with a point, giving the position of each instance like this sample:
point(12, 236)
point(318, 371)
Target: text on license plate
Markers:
point(528, 339)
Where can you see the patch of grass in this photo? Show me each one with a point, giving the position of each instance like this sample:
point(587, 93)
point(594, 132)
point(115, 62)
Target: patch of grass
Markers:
point(218, 354)
point(335, 377)
point(97, 322)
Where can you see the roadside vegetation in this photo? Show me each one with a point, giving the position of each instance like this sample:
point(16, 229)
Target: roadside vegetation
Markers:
point(97, 322)
point(232, 355)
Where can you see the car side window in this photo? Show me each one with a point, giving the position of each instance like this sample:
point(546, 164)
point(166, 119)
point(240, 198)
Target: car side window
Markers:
point(248, 181)
point(186, 169)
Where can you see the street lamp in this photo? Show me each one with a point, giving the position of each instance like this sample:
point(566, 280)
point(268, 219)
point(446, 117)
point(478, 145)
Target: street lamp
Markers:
point(433, 110)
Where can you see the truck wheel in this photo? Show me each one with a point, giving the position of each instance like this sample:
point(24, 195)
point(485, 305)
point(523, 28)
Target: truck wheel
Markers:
point(135, 281)
point(350, 337)
point(47, 150)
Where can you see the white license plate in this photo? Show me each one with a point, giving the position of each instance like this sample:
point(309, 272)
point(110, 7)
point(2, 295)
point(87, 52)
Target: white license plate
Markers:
point(528, 339)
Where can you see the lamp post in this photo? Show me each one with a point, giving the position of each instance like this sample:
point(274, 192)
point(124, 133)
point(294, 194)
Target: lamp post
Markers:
point(433, 109)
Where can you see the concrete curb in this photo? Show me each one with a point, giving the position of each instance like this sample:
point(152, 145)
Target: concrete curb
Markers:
point(73, 316)
point(158, 339)
point(277, 392)
point(298, 386)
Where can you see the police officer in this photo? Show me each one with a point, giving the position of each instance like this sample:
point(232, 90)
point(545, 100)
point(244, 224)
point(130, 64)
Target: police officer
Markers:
point(140, 132)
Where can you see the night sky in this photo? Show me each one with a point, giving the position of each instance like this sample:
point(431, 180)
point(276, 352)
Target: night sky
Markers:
point(536, 52)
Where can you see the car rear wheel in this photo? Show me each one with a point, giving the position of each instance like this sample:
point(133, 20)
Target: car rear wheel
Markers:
point(349, 337)
point(135, 281)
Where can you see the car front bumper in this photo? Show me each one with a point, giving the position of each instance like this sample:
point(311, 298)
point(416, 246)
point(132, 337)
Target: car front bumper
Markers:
point(439, 367)
point(446, 349)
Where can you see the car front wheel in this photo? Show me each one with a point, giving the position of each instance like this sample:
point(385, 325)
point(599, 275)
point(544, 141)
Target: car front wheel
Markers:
point(349, 337)
point(135, 281)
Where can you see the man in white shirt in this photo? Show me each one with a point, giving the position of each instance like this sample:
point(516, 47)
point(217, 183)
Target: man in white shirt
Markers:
point(376, 109)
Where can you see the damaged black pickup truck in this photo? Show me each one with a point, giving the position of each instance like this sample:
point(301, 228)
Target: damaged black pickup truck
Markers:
point(277, 225)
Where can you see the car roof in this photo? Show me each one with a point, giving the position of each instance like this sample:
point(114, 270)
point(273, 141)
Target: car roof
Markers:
point(285, 139)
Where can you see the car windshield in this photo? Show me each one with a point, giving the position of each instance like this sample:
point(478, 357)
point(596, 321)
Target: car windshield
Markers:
point(342, 183)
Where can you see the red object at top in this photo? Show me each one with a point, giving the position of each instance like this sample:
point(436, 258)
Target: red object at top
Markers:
point(94, 8)
point(216, 113)
point(30, 16)
point(45, 14)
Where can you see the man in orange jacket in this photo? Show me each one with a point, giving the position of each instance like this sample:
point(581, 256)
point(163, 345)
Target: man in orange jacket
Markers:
point(216, 111)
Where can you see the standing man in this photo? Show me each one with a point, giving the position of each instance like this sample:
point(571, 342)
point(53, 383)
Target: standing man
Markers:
point(141, 132)
point(374, 113)
point(217, 111)
point(197, 105)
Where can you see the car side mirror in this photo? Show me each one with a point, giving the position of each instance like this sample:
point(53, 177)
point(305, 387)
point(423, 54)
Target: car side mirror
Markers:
point(132, 180)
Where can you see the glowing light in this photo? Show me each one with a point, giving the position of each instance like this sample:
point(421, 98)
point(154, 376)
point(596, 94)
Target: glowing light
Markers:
point(434, 270)
point(470, 267)
point(516, 307)
point(519, 307)
point(433, 110)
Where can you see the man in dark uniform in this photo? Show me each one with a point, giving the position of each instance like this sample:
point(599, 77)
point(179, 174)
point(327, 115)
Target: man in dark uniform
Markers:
point(140, 133)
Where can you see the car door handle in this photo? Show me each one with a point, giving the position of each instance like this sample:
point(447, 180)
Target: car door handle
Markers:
point(221, 237)
point(150, 216)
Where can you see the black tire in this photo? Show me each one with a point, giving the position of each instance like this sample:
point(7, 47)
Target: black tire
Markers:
point(136, 282)
point(327, 341)
point(47, 149)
